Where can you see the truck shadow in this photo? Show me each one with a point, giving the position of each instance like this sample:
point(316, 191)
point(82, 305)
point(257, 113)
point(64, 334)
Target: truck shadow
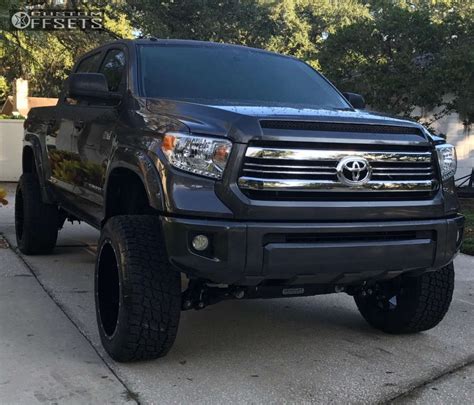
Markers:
point(280, 327)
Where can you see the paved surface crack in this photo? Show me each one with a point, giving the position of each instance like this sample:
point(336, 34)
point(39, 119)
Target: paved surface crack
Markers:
point(421, 384)
point(128, 393)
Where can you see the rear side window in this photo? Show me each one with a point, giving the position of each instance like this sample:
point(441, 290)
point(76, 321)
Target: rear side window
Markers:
point(89, 64)
point(113, 68)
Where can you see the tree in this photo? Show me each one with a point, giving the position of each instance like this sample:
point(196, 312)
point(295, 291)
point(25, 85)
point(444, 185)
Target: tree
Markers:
point(397, 53)
point(406, 55)
point(3, 195)
point(300, 27)
point(4, 89)
point(232, 21)
point(457, 58)
point(294, 27)
point(45, 58)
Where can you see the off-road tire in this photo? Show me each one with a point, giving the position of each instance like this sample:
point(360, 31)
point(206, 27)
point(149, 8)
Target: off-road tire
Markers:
point(36, 223)
point(421, 303)
point(138, 304)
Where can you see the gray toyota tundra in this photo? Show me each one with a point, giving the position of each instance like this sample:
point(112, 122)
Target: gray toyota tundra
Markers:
point(218, 172)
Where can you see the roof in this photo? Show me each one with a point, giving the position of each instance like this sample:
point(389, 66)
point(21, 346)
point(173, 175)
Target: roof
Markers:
point(7, 107)
point(131, 43)
point(188, 42)
point(41, 102)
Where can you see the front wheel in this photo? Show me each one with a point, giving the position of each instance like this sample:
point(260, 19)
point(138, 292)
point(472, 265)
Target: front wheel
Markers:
point(408, 304)
point(137, 292)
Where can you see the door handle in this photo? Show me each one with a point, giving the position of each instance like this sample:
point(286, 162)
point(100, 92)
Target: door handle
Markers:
point(79, 125)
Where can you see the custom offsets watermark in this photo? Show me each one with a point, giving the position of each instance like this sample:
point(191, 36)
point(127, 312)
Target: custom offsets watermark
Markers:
point(52, 20)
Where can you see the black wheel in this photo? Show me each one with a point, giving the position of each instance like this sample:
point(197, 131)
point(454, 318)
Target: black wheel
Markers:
point(137, 291)
point(36, 223)
point(409, 304)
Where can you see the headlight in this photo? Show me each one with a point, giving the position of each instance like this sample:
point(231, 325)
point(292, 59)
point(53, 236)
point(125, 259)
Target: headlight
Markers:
point(197, 154)
point(447, 160)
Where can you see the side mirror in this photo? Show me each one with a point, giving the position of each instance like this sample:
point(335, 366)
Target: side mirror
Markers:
point(356, 100)
point(90, 85)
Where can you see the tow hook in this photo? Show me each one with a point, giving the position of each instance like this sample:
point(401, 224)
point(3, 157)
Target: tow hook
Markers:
point(362, 290)
point(239, 294)
point(199, 295)
point(366, 292)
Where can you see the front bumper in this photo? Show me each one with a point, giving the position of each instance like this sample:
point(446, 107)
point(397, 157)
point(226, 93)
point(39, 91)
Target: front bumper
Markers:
point(247, 253)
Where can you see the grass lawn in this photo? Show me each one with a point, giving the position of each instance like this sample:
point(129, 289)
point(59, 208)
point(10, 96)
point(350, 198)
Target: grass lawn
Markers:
point(467, 208)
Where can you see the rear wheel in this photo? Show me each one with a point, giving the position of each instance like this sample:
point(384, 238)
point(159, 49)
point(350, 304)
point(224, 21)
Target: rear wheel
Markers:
point(36, 223)
point(409, 304)
point(137, 292)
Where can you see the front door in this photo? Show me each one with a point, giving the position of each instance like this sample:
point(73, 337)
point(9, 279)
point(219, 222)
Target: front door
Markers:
point(64, 162)
point(93, 134)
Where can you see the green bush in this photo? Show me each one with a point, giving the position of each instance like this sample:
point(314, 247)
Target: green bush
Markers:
point(11, 117)
point(4, 89)
point(467, 208)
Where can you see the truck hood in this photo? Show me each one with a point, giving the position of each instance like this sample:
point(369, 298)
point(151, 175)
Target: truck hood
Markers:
point(311, 113)
point(242, 123)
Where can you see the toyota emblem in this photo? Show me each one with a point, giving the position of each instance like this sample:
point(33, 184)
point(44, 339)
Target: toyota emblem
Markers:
point(353, 171)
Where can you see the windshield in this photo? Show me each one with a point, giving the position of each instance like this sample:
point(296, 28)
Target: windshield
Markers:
point(226, 75)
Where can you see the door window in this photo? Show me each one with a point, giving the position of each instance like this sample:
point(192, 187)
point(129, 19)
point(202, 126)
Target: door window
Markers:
point(113, 68)
point(89, 64)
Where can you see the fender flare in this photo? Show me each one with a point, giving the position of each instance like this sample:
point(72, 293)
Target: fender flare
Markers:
point(142, 165)
point(39, 155)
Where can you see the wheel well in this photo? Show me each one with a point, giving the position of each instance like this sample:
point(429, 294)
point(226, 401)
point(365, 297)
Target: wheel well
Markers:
point(28, 160)
point(126, 194)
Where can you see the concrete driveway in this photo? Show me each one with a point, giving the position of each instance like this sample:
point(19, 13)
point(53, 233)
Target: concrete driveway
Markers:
point(296, 350)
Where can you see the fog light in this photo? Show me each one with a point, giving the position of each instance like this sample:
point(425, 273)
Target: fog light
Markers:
point(200, 242)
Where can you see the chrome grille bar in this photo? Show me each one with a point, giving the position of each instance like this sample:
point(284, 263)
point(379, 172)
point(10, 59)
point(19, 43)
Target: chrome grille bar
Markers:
point(280, 170)
point(290, 171)
point(430, 173)
point(287, 166)
point(261, 184)
point(315, 154)
point(429, 168)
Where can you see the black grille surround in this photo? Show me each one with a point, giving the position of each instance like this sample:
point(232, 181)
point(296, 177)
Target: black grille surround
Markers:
point(339, 127)
point(304, 171)
point(347, 237)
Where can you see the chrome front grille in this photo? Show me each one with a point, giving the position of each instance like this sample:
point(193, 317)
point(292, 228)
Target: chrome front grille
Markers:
point(290, 172)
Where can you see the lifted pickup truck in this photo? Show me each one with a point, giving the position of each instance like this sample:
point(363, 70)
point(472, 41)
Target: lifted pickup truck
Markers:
point(238, 173)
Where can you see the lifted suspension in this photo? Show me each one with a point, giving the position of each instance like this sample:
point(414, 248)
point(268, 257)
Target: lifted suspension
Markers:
point(200, 293)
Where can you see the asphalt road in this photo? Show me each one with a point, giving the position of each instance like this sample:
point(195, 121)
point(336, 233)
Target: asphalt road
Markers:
point(296, 350)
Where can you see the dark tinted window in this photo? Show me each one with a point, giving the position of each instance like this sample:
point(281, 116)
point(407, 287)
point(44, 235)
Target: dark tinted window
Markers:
point(89, 64)
point(113, 68)
point(232, 75)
